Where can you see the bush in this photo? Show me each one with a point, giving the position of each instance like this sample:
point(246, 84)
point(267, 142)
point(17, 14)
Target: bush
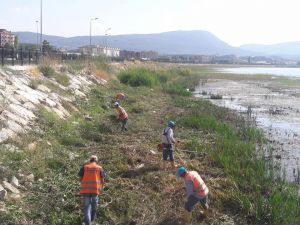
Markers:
point(208, 123)
point(177, 89)
point(139, 77)
point(62, 79)
point(34, 84)
point(47, 70)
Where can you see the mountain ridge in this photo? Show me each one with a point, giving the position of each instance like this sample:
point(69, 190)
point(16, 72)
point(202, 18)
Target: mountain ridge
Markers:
point(283, 49)
point(193, 42)
point(173, 42)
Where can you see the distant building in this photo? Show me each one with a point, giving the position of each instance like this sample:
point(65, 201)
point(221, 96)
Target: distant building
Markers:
point(97, 50)
point(144, 55)
point(7, 38)
point(124, 54)
point(225, 59)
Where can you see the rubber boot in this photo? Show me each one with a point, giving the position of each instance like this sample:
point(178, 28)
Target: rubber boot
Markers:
point(187, 218)
point(204, 213)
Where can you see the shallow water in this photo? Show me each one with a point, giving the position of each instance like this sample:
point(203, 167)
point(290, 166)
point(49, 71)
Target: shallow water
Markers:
point(277, 114)
point(276, 71)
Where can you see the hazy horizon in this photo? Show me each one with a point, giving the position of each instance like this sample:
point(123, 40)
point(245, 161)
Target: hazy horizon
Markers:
point(237, 22)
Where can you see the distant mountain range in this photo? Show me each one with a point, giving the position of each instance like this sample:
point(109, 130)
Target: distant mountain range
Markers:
point(286, 49)
point(175, 42)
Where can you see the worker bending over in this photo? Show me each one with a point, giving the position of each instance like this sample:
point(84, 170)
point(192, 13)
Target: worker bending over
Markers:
point(91, 185)
point(121, 115)
point(196, 191)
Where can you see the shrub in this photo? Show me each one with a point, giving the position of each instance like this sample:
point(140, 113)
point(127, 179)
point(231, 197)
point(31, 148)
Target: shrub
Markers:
point(208, 123)
point(47, 70)
point(139, 77)
point(34, 84)
point(62, 79)
point(177, 89)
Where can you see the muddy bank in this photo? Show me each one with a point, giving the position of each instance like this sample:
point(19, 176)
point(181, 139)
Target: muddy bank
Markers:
point(277, 112)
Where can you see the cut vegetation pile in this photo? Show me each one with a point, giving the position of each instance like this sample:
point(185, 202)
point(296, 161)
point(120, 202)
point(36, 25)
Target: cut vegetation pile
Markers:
point(214, 141)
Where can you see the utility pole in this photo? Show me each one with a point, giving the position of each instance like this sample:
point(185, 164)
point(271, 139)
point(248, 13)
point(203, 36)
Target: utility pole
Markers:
point(106, 34)
point(37, 34)
point(91, 33)
point(41, 19)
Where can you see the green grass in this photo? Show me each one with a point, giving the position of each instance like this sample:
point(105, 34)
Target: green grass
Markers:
point(139, 77)
point(75, 66)
point(62, 79)
point(242, 185)
point(47, 70)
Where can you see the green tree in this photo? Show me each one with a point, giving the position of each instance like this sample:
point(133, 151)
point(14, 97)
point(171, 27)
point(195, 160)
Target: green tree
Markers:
point(16, 43)
point(46, 47)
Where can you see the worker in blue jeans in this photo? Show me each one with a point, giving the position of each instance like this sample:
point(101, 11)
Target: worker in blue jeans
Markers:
point(91, 185)
point(196, 190)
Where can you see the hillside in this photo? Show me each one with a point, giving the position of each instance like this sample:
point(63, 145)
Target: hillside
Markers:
point(287, 49)
point(67, 112)
point(177, 42)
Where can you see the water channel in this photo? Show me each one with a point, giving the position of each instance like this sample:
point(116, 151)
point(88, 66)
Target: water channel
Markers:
point(277, 111)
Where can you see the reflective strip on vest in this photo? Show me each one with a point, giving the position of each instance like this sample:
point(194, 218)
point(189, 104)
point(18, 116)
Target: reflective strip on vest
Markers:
point(92, 182)
point(90, 188)
point(200, 189)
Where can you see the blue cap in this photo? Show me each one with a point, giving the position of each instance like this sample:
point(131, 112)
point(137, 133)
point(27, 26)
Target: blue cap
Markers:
point(181, 171)
point(171, 124)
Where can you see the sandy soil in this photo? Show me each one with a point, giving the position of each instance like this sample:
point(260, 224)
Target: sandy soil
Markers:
point(277, 112)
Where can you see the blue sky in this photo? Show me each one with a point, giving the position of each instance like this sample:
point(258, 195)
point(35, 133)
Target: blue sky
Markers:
point(234, 21)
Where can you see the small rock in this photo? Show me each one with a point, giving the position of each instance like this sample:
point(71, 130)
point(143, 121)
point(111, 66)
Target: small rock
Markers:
point(48, 143)
point(20, 176)
point(15, 181)
point(30, 178)
point(28, 184)
point(10, 188)
point(88, 117)
point(32, 146)
point(278, 156)
point(43, 88)
point(23, 188)
point(152, 152)
point(15, 196)
point(3, 193)
point(29, 106)
point(11, 148)
point(73, 156)
point(140, 166)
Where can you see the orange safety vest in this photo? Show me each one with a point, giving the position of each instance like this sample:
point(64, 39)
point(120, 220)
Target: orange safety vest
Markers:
point(121, 113)
point(91, 182)
point(199, 186)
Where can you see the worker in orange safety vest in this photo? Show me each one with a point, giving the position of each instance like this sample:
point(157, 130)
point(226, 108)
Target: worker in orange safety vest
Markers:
point(121, 115)
point(196, 191)
point(91, 185)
